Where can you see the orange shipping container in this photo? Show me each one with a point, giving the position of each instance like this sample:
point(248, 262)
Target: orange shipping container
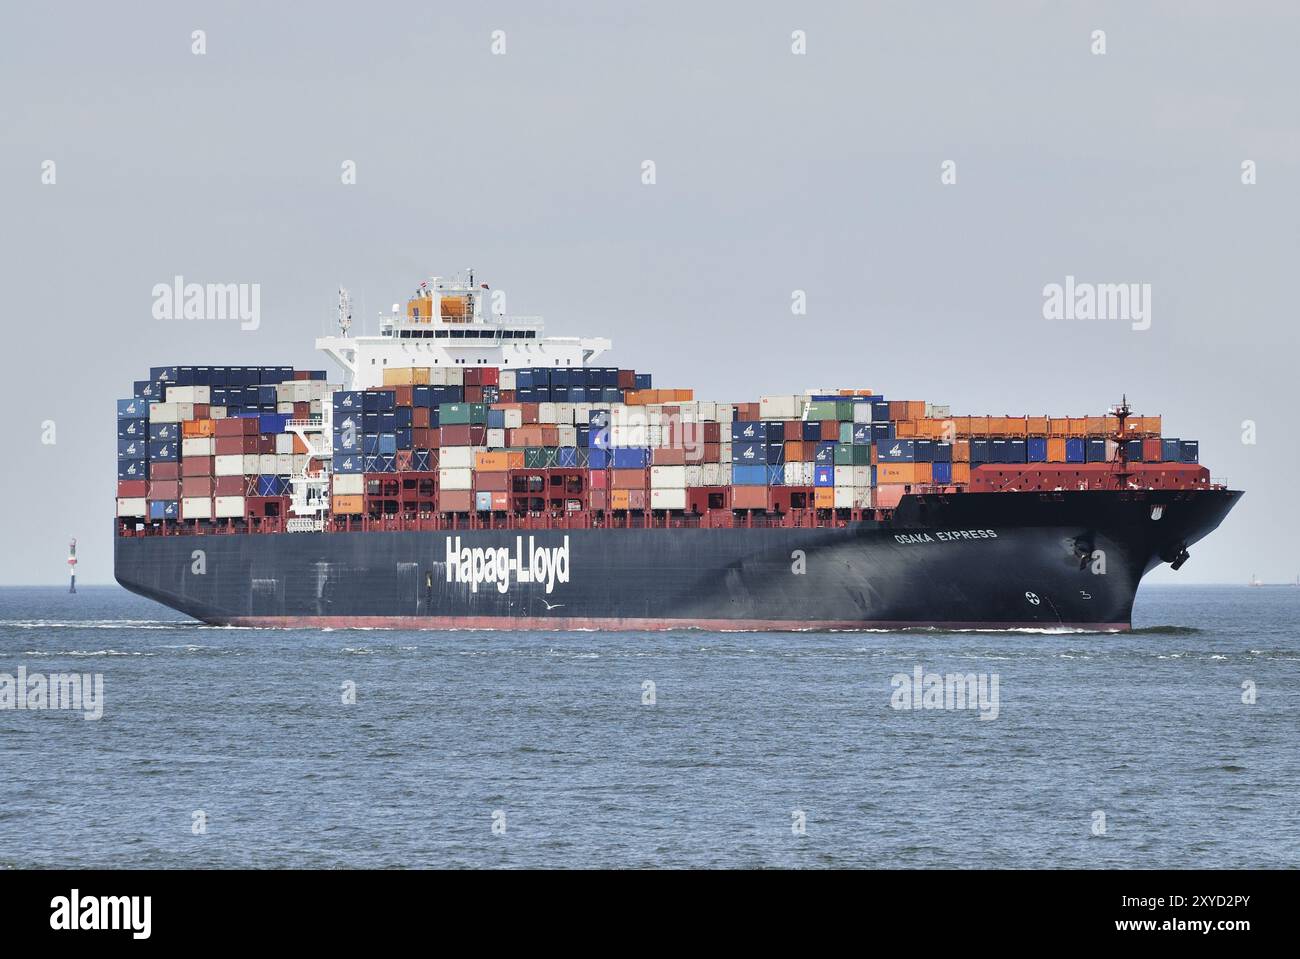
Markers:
point(823, 497)
point(1056, 449)
point(347, 505)
point(1036, 425)
point(905, 429)
point(491, 461)
point(199, 428)
point(961, 451)
point(749, 497)
point(618, 499)
point(1058, 426)
point(961, 473)
point(903, 473)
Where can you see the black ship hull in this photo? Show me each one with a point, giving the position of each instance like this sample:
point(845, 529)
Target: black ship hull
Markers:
point(965, 561)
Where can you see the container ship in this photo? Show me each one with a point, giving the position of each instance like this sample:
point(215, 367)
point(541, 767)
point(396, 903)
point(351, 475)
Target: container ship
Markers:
point(467, 471)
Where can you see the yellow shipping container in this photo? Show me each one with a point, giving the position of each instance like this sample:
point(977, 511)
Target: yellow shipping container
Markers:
point(399, 376)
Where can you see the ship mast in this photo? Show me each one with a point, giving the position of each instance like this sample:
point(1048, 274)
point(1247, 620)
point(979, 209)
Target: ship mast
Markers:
point(72, 566)
point(1122, 472)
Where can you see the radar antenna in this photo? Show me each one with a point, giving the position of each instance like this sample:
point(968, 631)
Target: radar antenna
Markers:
point(345, 311)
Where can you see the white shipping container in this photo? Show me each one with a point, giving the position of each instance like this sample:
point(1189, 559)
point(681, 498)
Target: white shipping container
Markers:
point(724, 474)
point(668, 498)
point(284, 443)
point(131, 506)
point(844, 476)
point(862, 497)
point(546, 413)
point(711, 475)
point(184, 411)
point(456, 479)
point(456, 458)
point(283, 464)
point(514, 419)
point(229, 506)
point(251, 464)
point(300, 461)
point(349, 484)
point(232, 465)
point(197, 446)
point(265, 464)
point(163, 413)
point(506, 380)
point(794, 473)
point(196, 507)
point(779, 407)
point(568, 435)
point(694, 476)
point(668, 477)
point(317, 407)
point(285, 408)
point(862, 412)
point(438, 375)
point(627, 436)
point(564, 413)
point(724, 451)
point(216, 412)
point(939, 411)
point(496, 439)
point(708, 410)
point(862, 476)
point(455, 375)
point(189, 394)
point(844, 497)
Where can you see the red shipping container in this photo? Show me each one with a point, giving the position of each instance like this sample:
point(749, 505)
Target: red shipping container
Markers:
point(164, 471)
point(1151, 451)
point(793, 431)
point(473, 377)
point(132, 488)
point(266, 444)
point(627, 479)
point(598, 499)
point(301, 411)
point(661, 456)
point(202, 486)
point(491, 481)
point(491, 376)
point(236, 445)
point(404, 396)
point(473, 394)
point(712, 453)
point(506, 396)
point(420, 418)
point(528, 413)
point(196, 466)
point(202, 411)
point(636, 499)
point(164, 489)
point(230, 486)
point(455, 501)
point(455, 436)
point(597, 479)
point(831, 431)
point(627, 379)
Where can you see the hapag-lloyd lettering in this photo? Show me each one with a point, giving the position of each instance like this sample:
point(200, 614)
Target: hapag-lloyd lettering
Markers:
point(477, 565)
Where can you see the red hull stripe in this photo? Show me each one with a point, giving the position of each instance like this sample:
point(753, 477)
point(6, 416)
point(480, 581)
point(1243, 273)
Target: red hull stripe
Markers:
point(596, 623)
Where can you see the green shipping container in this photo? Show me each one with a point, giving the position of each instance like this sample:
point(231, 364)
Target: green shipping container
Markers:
point(462, 414)
point(852, 455)
point(830, 410)
point(539, 457)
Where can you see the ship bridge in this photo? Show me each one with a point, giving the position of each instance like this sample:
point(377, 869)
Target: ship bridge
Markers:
point(449, 322)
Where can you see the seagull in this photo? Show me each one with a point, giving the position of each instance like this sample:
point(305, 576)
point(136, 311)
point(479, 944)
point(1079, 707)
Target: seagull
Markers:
point(551, 606)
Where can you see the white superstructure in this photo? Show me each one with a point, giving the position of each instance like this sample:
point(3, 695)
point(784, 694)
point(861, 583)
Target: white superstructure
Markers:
point(450, 322)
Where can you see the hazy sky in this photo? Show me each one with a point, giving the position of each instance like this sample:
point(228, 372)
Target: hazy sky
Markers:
point(775, 172)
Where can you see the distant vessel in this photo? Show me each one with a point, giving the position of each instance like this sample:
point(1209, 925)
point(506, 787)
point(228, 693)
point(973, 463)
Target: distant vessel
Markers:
point(1254, 581)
